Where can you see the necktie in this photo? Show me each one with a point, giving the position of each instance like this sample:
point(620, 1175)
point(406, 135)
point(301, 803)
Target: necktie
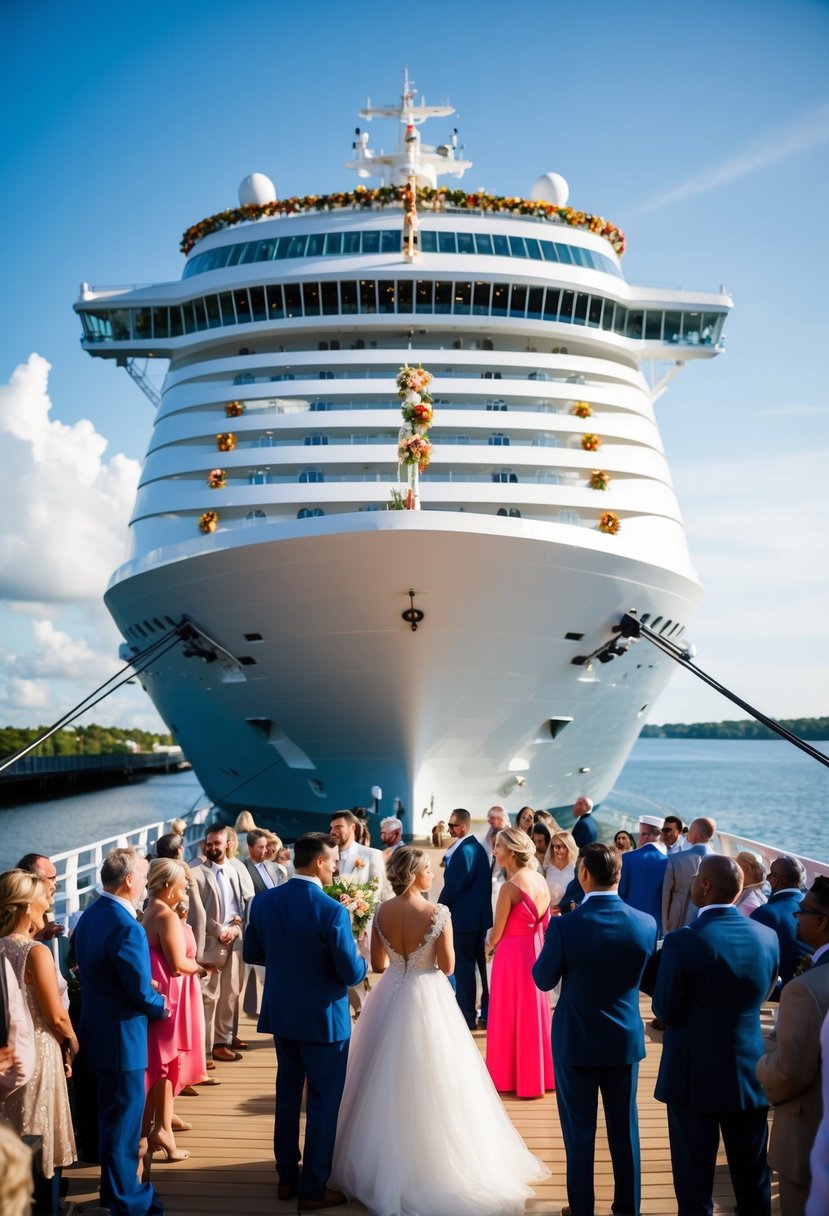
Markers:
point(224, 894)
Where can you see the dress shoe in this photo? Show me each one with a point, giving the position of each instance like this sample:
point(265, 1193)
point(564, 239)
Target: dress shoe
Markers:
point(657, 1025)
point(208, 1081)
point(189, 1091)
point(286, 1190)
point(328, 1199)
point(226, 1055)
point(239, 1045)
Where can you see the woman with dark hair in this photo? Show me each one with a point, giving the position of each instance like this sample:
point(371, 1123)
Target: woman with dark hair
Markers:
point(624, 841)
point(524, 819)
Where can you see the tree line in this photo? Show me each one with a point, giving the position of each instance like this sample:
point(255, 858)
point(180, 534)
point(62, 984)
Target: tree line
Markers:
point(813, 729)
point(92, 740)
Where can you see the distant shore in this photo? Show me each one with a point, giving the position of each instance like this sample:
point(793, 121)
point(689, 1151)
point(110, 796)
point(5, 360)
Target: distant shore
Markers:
point(813, 729)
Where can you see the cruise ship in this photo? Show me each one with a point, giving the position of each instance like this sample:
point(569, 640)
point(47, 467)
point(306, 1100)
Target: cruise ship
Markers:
point(322, 625)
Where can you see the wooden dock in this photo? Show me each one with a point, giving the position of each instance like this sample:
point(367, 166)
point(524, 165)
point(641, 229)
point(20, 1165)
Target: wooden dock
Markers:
point(231, 1168)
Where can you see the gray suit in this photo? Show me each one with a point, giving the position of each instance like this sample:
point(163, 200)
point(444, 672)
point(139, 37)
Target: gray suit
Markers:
point(257, 879)
point(677, 907)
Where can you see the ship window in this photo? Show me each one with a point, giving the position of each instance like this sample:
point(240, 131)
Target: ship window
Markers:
point(161, 324)
point(311, 299)
point(608, 315)
point(620, 320)
point(176, 323)
point(266, 441)
point(673, 325)
point(462, 298)
point(254, 517)
point(371, 242)
point(423, 295)
point(318, 407)
point(240, 299)
point(263, 251)
point(594, 313)
point(656, 623)
point(316, 244)
point(443, 297)
point(259, 478)
point(187, 313)
point(533, 248)
point(480, 299)
point(552, 303)
point(666, 627)
point(296, 247)
point(578, 256)
point(711, 322)
point(500, 292)
point(636, 320)
point(497, 406)
point(351, 242)
point(293, 304)
point(428, 242)
point(505, 477)
point(498, 440)
point(348, 295)
point(276, 305)
point(385, 295)
point(235, 252)
point(309, 512)
point(483, 243)
point(447, 242)
point(330, 299)
point(566, 309)
point(282, 247)
point(368, 295)
point(309, 476)
point(405, 296)
point(257, 303)
point(580, 309)
point(214, 317)
point(517, 247)
point(390, 241)
point(501, 246)
point(518, 300)
point(535, 302)
point(568, 516)
point(653, 326)
point(333, 242)
point(563, 254)
point(226, 306)
point(316, 441)
point(466, 242)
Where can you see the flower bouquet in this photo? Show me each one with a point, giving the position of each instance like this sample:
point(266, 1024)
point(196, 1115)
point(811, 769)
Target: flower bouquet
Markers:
point(359, 899)
point(581, 409)
point(599, 480)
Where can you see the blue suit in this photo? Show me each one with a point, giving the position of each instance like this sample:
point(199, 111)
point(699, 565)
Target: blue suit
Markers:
point(117, 999)
point(779, 914)
point(643, 874)
point(304, 939)
point(467, 893)
point(713, 977)
point(584, 830)
point(599, 953)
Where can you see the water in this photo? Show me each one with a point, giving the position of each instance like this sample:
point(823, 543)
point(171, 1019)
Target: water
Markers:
point(767, 790)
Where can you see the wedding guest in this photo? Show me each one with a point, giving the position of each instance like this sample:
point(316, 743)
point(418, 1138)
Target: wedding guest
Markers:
point(561, 868)
point(518, 1053)
point(17, 1034)
point(15, 1174)
point(44, 869)
point(178, 827)
point(232, 856)
point(550, 822)
point(244, 823)
point(467, 892)
point(673, 834)
point(263, 874)
point(541, 844)
point(219, 884)
point(391, 835)
point(584, 829)
point(678, 909)
point(524, 819)
point(41, 1107)
point(753, 894)
point(624, 841)
point(786, 879)
point(170, 1038)
point(284, 861)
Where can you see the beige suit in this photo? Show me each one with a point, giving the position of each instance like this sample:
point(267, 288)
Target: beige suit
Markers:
point(221, 988)
point(790, 1074)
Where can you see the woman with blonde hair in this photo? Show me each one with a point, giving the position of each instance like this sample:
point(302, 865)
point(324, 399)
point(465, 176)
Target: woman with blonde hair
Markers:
point(561, 865)
point(41, 1106)
point(175, 1048)
point(411, 1029)
point(518, 1050)
point(753, 894)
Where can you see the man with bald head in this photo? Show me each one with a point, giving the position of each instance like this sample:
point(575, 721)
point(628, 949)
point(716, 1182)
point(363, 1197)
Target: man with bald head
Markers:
point(713, 977)
point(678, 907)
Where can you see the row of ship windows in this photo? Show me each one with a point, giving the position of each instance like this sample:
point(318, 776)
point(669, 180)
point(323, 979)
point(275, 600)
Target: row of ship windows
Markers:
point(367, 297)
point(316, 476)
point(495, 439)
point(390, 240)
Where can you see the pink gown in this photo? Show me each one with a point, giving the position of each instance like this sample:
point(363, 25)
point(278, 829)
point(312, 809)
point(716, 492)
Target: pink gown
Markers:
point(175, 1045)
point(518, 1050)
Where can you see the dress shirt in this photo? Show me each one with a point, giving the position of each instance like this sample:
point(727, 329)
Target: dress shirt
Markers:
point(309, 878)
point(263, 874)
point(447, 856)
point(125, 903)
point(709, 907)
point(599, 895)
point(230, 904)
point(821, 950)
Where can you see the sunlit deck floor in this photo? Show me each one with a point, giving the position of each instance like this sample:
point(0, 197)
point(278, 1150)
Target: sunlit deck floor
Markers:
point(231, 1167)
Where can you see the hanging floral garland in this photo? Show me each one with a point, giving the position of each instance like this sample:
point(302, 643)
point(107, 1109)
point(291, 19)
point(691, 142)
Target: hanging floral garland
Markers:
point(591, 443)
point(209, 521)
point(234, 409)
point(427, 198)
point(217, 479)
point(599, 480)
point(226, 441)
point(609, 522)
point(581, 409)
point(414, 451)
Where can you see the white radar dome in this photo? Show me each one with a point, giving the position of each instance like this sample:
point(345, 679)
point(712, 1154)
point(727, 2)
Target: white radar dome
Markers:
point(256, 189)
point(551, 188)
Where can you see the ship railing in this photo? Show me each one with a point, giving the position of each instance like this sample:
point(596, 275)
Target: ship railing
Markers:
point(78, 870)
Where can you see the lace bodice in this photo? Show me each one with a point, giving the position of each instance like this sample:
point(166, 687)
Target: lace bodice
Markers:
point(423, 958)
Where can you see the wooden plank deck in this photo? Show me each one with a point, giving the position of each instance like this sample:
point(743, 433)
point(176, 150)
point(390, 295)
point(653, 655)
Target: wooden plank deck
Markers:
point(231, 1169)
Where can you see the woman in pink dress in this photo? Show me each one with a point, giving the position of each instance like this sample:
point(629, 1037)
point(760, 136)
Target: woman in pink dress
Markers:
point(518, 1051)
point(174, 1039)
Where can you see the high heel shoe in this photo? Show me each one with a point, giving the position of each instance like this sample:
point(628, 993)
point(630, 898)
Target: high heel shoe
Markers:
point(171, 1155)
point(181, 1125)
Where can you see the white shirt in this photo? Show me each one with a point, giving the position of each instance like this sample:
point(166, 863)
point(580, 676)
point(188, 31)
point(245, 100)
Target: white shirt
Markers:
point(119, 899)
point(599, 895)
point(230, 904)
point(264, 874)
point(309, 878)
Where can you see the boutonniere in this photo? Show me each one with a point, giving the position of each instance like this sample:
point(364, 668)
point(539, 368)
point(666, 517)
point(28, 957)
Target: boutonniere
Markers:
point(803, 965)
point(359, 863)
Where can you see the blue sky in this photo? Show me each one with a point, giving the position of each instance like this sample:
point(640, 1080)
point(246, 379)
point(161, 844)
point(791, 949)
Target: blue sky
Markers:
point(702, 130)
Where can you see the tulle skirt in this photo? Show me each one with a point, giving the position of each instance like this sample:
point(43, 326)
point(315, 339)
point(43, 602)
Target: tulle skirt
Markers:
point(421, 1129)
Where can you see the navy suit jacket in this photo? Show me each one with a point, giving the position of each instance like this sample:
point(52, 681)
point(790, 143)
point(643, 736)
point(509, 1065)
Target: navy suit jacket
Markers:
point(643, 873)
point(599, 953)
point(467, 887)
point(584, 830)
point(713, 977)
point(779, 914)
point(118, 996)
point(304, 938)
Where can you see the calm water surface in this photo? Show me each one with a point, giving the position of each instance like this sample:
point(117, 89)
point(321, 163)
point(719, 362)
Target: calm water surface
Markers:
point(768, 791)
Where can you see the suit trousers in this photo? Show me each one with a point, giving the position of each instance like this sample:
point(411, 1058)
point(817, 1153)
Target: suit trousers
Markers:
point(695, 1139)
point(469, 951)
point(577, 1098)
point(220, 997)
point(793, 1196)
point(322, 1066)
point(120, 1108)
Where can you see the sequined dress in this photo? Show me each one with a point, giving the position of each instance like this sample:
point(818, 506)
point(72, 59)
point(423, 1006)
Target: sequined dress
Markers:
point(41, 1107)
point(421, 1130)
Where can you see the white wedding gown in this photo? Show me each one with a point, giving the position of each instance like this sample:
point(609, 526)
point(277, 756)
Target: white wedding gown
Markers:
point(421, 1129)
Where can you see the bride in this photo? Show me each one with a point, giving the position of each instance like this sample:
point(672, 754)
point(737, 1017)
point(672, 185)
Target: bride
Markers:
point(421, 1129)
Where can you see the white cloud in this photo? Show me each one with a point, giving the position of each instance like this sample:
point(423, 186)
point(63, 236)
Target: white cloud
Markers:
point(28, 694)
point(65, 509)
point(780, 143)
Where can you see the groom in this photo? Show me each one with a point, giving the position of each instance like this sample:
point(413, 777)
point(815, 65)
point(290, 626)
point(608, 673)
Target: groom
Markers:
point(299, 932)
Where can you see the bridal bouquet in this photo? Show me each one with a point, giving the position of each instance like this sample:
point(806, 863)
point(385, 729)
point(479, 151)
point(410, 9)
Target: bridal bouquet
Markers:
point(359, 898)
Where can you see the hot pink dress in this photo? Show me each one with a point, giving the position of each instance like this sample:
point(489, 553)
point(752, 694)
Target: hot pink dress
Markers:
point(518, 1051)
point(175, 1045)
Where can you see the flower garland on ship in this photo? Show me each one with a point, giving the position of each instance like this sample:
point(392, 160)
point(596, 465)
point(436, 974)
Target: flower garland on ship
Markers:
point(428, 198)
point(414, 451)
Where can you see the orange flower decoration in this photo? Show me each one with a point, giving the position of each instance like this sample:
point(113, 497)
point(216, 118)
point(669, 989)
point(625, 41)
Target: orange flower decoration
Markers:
point(217, 479)
point(209, 521)
point(234, 409)
point(581, 409)
point(599, 480)
point(591, 443)
point(226, 442)
point(609, 522)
